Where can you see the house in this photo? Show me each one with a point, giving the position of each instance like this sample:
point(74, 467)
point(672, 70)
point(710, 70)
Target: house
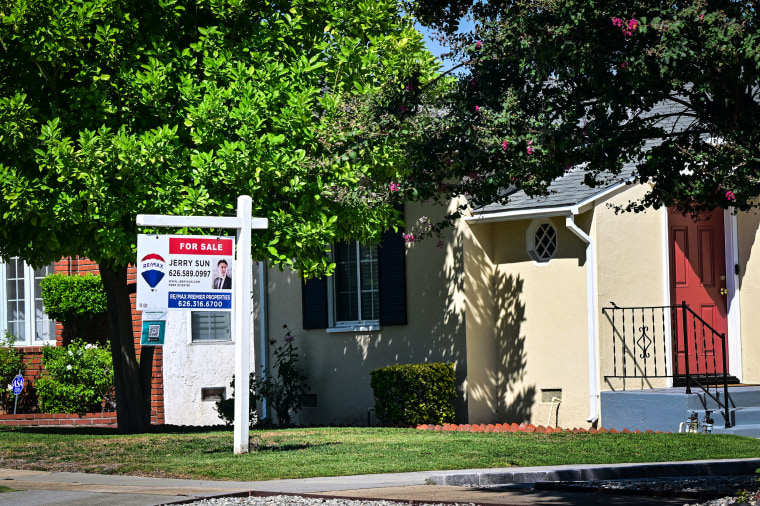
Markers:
point(520, 299)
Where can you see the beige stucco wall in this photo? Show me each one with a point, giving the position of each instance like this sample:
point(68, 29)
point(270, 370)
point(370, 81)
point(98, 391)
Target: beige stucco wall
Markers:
point(526, 327)
point(748, 225)
point(631, 272)
point(338, 365)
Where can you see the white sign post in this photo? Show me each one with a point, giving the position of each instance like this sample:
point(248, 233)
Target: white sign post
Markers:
point(241, 309)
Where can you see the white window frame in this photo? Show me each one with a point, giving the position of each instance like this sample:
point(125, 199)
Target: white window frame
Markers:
point(206, 342)
point(335, 325)
point(30, 323)
point(530, 240)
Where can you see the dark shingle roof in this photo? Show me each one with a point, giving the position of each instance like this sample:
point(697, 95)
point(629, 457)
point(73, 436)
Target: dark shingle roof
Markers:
point(567, 190)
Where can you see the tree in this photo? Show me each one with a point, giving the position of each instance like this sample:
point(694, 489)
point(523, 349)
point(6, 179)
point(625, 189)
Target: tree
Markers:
point(109, 108)
point(668, 88)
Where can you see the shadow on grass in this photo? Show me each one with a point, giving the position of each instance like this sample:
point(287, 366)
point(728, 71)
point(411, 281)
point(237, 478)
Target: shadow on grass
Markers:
point(257, 447)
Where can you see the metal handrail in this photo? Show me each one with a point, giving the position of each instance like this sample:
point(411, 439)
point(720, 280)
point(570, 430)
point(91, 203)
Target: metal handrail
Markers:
point(640, 347)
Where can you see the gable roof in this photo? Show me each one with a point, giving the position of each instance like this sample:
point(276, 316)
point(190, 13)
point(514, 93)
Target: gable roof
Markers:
point(567, 195)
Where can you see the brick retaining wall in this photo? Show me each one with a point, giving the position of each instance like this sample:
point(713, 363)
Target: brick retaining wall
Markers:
point(60, 420)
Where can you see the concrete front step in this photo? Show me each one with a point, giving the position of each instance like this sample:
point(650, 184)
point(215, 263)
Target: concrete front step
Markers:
point(748, 430)
point(737, 397)
point(738, 416)
point(666, 408)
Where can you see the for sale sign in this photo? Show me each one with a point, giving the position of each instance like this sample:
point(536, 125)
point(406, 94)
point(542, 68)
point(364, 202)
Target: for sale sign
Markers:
point(184, 272)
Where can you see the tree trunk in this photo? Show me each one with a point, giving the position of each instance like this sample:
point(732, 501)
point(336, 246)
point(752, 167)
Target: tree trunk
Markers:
point(132, 414)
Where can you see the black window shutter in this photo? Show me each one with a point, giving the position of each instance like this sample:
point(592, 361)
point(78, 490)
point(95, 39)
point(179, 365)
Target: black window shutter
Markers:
point(392, 272)
point(314, 299)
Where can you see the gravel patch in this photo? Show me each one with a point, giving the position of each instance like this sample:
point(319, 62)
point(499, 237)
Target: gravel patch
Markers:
point(290, 500)
point(700, 490)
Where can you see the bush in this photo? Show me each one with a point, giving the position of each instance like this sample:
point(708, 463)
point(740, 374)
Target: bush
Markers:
point(76, 379)
point(226, 407)
point(283, 386)
point(415, 393)
point(11, 363)
point(73, 300)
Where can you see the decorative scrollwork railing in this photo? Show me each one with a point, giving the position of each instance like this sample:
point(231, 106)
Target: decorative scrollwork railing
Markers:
point(669, 342)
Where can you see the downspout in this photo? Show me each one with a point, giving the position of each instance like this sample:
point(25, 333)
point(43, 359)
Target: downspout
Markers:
point(263, 307)
point(593, 377)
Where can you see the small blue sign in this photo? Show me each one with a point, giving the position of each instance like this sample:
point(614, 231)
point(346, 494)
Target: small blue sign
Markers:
point(18, 384)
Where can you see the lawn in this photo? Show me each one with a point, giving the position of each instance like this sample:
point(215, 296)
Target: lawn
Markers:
point(310, 452)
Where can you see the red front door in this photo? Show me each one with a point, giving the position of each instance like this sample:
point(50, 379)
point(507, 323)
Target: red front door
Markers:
point(698, 276)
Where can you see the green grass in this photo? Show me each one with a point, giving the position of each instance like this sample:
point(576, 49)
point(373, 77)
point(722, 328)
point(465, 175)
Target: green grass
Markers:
point(303, 453)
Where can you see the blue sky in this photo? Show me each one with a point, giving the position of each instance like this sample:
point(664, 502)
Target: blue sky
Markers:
point(435, 48)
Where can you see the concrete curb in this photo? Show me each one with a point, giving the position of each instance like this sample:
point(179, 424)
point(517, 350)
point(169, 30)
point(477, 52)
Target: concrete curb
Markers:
point(495, 477)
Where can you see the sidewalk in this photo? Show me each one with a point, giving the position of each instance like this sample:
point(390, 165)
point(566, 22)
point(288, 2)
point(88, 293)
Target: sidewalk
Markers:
point(60, 488)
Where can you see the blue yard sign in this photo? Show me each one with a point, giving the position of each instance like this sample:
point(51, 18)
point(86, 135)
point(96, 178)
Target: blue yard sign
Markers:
point(18, 385)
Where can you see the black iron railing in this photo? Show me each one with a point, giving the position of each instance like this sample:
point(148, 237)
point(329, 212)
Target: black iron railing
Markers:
point(669, 342)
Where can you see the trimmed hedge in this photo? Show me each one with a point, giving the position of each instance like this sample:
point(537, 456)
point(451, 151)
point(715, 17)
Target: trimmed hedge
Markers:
point(414, 394)
point(69, 298)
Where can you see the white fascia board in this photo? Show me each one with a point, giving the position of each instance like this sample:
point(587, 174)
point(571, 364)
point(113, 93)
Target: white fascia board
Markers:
point(520, 214)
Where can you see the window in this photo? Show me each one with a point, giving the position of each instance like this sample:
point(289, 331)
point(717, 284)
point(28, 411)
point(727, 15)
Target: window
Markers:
point(355, 288)
point(21, 312)
point(542, 240)
point(210, 326)
point(367, 290)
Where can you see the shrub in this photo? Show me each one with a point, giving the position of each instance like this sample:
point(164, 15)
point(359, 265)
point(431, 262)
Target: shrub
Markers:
point(73, 300)
point(282, 386)
point(11, 363)
point(76, 379)
point(415, 393)
point(226, 407)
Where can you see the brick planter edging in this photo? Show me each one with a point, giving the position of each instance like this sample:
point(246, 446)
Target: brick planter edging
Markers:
point(106, 419)
point(450, 427)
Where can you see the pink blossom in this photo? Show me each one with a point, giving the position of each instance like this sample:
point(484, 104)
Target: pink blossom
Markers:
point(624, 65)
point(530, 147)
point(478, 44)
point(473, 175)
point(394, 187)
point(730, 195)
point(627, 27)
point(701, 17)
point(477, 108)
point(504, 145)
point(408, 238)
point(288, 337)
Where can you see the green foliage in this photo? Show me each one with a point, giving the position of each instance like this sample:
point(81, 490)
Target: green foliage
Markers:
point(68, 298)
point(283, 385)
point(77, 378)
point(11, 363)
point(643, 88)
point(413, 394)
point(226, 407)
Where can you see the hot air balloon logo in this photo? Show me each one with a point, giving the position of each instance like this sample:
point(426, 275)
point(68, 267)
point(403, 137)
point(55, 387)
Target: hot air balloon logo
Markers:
point(152, 269)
